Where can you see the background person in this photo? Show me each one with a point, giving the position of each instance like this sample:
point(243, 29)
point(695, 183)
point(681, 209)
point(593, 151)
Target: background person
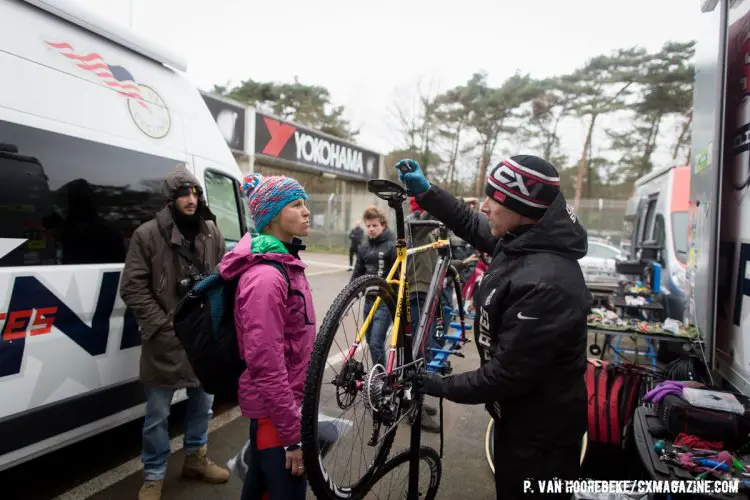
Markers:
point(356, 235)
point(376, 256)
point(157, 273)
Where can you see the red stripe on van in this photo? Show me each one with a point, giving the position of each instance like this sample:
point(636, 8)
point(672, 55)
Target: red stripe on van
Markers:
point(680, 189)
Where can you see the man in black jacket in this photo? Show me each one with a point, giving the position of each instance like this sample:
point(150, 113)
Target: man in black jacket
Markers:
point(531, 322)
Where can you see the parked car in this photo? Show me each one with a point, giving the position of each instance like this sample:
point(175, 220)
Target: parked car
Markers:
point(598, 265)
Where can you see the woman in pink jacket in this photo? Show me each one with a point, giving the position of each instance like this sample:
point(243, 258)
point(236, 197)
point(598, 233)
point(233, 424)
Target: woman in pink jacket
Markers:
point(275, 332)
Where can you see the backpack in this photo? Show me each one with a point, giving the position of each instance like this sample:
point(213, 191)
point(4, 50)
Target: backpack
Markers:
point(204, 324)
point(613, 395)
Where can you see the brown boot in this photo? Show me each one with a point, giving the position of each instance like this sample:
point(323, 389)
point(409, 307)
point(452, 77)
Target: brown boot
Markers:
point(199, 466)
point(151, 490)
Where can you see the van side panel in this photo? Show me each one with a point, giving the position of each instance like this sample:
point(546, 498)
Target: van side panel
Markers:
point(680, 190)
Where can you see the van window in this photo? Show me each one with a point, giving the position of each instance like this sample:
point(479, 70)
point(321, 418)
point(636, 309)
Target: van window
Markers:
point(66, 200)
point(649, 219)
point(660, 236)
point(222, 195)
point(680, 235)
point(659, 232)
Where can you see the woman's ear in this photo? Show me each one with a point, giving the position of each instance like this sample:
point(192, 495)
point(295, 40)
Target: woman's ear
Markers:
point(272, 223)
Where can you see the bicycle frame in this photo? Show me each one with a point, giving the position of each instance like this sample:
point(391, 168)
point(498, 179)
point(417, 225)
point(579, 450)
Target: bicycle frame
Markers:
point(399, 266)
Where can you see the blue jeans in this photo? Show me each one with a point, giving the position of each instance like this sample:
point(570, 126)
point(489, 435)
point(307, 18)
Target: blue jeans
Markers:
point(156, 430)
point(417, 305)
point(375, 335)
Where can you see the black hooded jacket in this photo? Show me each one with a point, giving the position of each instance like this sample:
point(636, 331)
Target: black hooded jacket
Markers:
point(530, 326)
point(376, 256)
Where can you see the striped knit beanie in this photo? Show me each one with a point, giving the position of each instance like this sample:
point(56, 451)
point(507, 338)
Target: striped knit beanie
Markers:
point(267, 195)
point(525, 184)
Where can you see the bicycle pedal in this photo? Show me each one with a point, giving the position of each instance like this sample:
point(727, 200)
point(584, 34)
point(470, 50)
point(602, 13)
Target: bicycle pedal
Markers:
point(446, 370)
point(459, 354)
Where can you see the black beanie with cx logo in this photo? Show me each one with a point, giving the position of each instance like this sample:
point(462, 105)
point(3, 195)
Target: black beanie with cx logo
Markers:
point(524, 184)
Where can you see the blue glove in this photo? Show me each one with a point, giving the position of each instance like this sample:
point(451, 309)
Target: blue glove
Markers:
point(410, 173)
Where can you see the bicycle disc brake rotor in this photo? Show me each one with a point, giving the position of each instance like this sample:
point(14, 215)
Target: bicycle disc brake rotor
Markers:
point(347, 383)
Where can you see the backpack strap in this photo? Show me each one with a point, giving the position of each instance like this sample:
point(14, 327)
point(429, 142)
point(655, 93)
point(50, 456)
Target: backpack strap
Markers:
point(614, 408)
point(592, 371)
point(632, 397)
point(601, 403)
point(280, 267)
point(290, 292)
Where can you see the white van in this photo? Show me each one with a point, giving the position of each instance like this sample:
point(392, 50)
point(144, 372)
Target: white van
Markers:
point(657, 217)
point(92, 117)
point(658, 214)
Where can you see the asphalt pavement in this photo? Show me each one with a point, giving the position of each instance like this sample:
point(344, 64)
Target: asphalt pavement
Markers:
point(107, 466)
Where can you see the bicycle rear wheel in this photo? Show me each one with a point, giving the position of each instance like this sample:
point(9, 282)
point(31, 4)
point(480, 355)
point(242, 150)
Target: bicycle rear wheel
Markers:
point(343, 383)
point(392, 481)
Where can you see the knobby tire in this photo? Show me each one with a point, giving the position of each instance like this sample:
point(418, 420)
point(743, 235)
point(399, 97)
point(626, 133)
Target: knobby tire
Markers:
point(320, 482)
point(426, 454)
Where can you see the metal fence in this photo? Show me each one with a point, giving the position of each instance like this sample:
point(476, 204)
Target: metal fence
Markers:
point(603, 218)
point(333, 216)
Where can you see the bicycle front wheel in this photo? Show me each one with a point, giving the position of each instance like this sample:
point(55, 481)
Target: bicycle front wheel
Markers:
point(347, 383)
point(392, 482)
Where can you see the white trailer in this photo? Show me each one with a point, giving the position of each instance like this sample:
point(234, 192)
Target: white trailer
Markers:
point(719, 214)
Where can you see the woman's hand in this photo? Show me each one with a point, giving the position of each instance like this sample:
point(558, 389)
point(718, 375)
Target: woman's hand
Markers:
point(294, 462)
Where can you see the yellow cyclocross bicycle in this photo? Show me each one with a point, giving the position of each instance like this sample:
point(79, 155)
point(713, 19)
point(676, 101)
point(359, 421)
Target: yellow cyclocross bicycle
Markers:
point(366, 400)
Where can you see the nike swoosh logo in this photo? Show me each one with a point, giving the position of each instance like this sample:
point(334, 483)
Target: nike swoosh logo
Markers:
point(521, 316)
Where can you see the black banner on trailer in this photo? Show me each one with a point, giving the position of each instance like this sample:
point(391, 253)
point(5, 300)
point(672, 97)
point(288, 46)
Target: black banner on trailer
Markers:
point(230, 118)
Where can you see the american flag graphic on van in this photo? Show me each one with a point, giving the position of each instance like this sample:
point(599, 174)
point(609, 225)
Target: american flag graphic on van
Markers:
point(117, 77)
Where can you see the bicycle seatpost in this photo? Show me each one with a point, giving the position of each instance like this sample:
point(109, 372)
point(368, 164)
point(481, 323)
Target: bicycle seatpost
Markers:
point(400, 231)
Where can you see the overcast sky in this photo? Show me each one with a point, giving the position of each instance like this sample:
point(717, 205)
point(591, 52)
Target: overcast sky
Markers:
point(367, 52)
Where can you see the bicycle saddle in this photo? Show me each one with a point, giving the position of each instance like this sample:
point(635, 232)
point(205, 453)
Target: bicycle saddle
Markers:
point(387, 190)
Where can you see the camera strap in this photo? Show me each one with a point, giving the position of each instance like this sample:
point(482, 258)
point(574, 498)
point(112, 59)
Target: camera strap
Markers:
point(182, 250)
point(192, 258)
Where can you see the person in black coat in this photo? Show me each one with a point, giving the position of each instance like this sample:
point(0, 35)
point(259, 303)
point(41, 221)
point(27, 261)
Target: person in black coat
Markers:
point(531, 320)
point(356, 235)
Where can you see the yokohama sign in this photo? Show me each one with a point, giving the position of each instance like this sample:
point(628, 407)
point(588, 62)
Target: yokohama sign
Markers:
point(285, 141)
